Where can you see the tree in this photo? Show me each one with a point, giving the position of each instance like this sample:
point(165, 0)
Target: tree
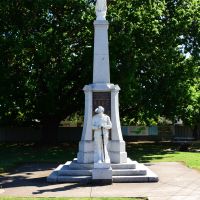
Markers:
point(150, 44)
point(46, 49)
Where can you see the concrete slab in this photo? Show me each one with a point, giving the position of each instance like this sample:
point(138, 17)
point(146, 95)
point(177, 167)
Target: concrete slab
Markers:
point(176, 181)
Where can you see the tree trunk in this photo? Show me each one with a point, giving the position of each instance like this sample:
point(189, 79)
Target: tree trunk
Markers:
point(50, 130)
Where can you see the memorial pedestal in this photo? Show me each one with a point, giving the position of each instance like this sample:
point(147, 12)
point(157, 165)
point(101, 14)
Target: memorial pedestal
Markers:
point(131, 171)
point(116, 144)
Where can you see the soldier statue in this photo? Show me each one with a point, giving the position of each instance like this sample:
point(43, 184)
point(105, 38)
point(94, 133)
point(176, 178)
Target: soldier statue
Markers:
point(101, 124)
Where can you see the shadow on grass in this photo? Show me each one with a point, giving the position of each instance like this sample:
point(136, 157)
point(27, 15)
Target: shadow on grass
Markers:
point(146, 152)
point(15, 154)
point(19, 153)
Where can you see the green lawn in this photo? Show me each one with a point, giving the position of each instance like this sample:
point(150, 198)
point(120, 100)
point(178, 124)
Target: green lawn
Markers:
point(164, 152)
point(46, 198)
point(15, 154)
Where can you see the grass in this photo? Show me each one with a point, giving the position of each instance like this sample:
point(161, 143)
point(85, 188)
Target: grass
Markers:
point(164, 152)
point(45, 198)
point(14, 154)
point(18, 153)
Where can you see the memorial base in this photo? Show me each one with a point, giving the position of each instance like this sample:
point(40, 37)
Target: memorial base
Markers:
point(75, 172)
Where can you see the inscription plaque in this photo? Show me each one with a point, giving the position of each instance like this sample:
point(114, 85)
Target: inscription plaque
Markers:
point(102, 99)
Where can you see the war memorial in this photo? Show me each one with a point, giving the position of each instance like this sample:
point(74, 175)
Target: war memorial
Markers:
point(102, 156)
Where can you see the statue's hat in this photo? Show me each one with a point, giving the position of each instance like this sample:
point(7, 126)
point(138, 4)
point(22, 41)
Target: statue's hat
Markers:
point(99, 109)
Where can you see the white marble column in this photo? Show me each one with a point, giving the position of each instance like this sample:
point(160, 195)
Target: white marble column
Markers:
point(117, 149)
point(101, 66)
point(87, 128)
point(116, 130)
point(86, 145)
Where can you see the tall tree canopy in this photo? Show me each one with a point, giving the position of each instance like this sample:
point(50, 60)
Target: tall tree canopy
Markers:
point(46, 58)
point(150, 45)
point(46, 49)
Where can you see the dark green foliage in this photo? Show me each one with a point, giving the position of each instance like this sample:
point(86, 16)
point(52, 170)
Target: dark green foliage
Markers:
point(43, 67)
point(150, 43)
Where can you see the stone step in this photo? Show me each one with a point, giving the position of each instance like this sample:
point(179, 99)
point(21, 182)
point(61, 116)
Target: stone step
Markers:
point(149, 177)
point(75, 165)
point(128, 172)
point(77, 172)
point(132, 179)
point(86, 172)
point(74, 179)
point(124, 166)
point(118, 169)
point(115, 172)
point(128, 165)
point(74, 172)
point(116, 179)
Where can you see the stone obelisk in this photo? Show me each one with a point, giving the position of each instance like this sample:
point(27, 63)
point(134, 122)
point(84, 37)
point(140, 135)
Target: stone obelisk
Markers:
point(101, 93)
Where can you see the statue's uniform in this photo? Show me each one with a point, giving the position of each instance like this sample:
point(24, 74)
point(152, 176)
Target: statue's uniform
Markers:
point(98, 121)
